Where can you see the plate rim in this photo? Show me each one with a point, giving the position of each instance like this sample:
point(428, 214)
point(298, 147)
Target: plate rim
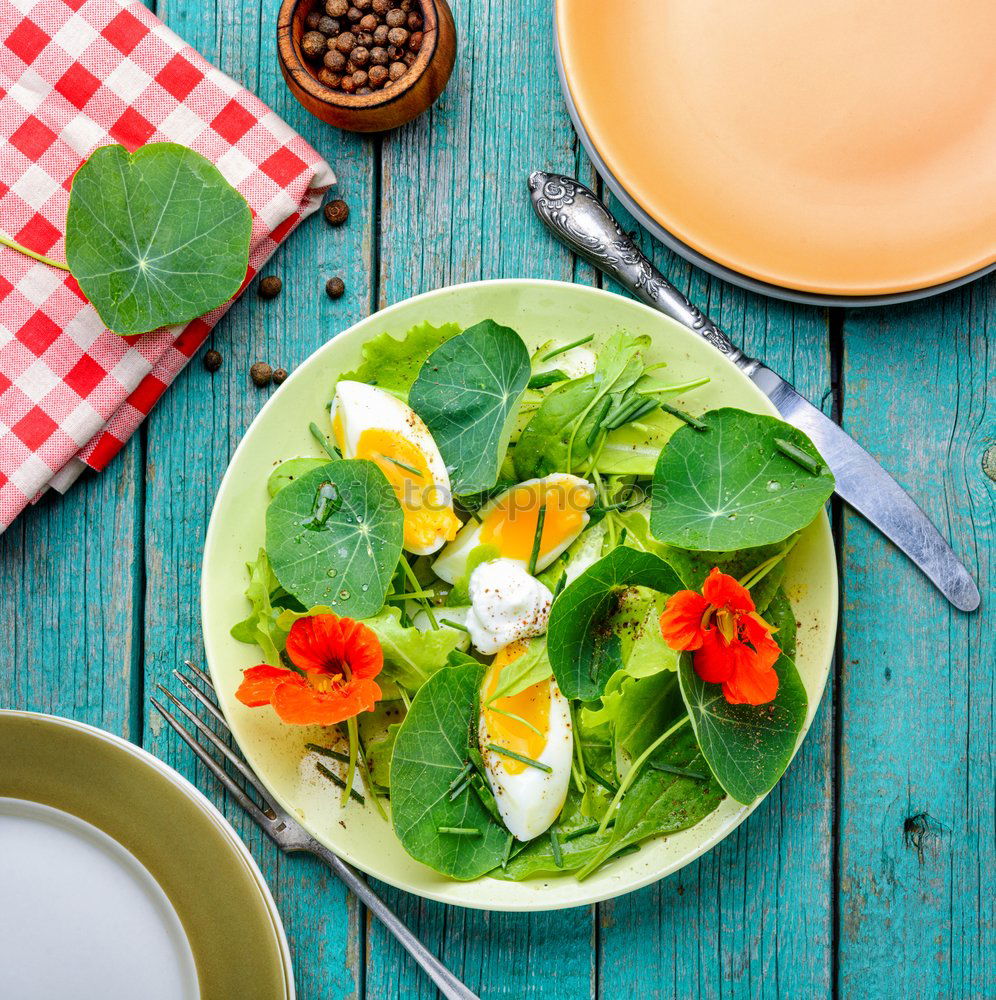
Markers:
point(191, 792)
point(584, 898)
point(714, 268)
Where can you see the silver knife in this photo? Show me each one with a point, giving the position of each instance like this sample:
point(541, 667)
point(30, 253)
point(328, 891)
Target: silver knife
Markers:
point(579, 220)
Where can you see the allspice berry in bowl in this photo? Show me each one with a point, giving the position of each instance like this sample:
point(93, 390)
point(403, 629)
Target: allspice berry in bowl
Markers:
point(366, 65)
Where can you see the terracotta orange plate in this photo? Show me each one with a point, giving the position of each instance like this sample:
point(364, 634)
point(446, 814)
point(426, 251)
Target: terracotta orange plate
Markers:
point(831, 148)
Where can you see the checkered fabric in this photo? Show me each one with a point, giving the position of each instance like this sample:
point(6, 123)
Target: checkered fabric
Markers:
point(76, 75)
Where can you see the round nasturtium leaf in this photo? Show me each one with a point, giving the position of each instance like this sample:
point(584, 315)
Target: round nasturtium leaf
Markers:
point(155, 237)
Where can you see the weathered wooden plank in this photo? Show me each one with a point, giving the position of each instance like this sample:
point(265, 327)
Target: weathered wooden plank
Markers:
point(455, 208)
point(917, 856)
point(70, 572)
point(753, 918)
point(194, 430)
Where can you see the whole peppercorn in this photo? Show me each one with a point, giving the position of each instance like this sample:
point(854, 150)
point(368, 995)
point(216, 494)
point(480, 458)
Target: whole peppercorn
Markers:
point(269, 287)
point(347, 84)
point(364, 39)
point(336, 8)
point(351, 68)
point(408, 59)
point(394, 53)
point(415, 41)
point(312, 21)
point(346, 42)
point(279, 376)
point(395, 18)
point(378, 74)
point(353, 15)
point(337, 212)
point(381, 6)
point(363, 91)
point(335, 287)
point(212, 361)
point(369, 22)
point(313, 45)
point(407, 5)
point(362, 4)
point(261, 373)
point(397, 70)
point(360, 78)
point(328, 26)
point(335, 61)
point(398, 36)
point(380, 34)
point(329, 78)
point(360, 56)
point(414, 21)
point(378, 56)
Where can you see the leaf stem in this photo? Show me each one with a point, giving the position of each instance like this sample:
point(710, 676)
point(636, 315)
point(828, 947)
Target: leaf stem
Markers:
point(537, 539)
point(41, 258)
point(556, 352)
point(323, 441)
point(761, 570)
point(354, 739)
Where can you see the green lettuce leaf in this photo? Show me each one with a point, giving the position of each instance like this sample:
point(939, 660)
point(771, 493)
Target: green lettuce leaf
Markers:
point(261, 627)
point(529, 669)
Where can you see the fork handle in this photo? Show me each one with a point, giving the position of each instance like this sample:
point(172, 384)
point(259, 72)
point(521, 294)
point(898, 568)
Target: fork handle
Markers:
point(448, 984)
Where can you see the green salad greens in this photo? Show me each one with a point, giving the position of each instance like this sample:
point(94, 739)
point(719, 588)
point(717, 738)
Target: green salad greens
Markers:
point(538, 595)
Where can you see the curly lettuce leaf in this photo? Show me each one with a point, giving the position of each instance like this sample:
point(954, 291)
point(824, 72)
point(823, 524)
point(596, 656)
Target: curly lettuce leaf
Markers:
point(262, 626)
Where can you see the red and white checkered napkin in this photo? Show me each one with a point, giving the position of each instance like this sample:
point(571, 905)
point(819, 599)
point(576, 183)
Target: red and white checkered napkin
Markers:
point(76, 75)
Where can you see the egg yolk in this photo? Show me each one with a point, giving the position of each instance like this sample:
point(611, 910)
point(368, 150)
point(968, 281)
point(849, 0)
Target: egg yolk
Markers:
point(428, 514)
point(527, 737)
point(511, 526)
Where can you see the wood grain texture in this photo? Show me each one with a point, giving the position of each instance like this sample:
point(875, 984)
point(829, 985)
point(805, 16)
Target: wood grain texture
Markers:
point(917, 856)
point(753, 918)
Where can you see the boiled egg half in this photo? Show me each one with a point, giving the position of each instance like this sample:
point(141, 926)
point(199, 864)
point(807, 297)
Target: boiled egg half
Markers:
point(508, 523)
point(370, 423)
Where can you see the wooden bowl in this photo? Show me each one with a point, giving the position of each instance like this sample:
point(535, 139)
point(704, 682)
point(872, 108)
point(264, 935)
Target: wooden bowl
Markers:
point(383, 109)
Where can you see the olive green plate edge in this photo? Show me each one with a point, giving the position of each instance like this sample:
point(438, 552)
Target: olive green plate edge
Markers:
point(219, 894)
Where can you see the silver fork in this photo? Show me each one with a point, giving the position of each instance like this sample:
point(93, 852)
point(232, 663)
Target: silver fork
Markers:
point(284, 831)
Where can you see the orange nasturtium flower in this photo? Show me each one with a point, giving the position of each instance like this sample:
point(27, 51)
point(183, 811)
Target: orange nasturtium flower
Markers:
point(338, 659)
point(731, 642)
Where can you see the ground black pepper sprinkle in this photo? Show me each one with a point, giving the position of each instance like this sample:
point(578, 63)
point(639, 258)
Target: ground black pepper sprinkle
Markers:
point(335, 287)
point(212, 361)
point(336, 212)
point(269, 287)
point(261, 374)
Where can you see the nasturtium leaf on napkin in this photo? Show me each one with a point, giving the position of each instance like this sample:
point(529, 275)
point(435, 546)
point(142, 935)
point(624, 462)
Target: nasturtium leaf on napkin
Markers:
point(334, 536)
point(729, 487)
point(155, 237)
point(468, 392)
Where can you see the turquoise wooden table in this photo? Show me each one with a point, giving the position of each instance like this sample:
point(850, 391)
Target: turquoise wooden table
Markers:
point(869, 872)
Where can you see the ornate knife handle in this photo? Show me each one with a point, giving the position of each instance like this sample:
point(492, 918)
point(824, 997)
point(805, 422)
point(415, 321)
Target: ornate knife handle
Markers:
point(580, 220)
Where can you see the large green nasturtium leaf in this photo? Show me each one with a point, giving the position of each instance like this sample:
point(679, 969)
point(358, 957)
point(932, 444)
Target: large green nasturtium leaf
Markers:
point(155, 237)
point(468, 392)
point(729, 487)
point(334, 537)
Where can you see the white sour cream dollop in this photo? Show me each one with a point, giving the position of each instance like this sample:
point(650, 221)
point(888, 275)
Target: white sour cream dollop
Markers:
point(506, 604)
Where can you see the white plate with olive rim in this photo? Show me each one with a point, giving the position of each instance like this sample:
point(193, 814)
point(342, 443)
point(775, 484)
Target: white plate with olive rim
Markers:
point(538, 311)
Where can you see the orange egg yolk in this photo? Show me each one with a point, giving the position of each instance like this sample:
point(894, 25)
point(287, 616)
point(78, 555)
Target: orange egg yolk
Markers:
point(429, 518)
point(532, 706)
point(511, 526)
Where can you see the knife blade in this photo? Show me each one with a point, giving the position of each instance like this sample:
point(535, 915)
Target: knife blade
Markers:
point(579, 220)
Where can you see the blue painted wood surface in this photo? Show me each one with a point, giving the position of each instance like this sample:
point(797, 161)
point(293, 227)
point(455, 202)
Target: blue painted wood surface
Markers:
point(869, 872)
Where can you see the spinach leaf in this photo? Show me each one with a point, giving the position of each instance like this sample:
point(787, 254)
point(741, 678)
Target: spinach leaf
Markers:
point(286, 472)
point(430, 751)
point(729, 487)
point(748, 747)
point(155, 237)
point(334, 537)
point(781, 615)
point(634, 448)
point(584, 652)
point(467, 392)
point(393, 364)
point(647, 707)
point(261, 627)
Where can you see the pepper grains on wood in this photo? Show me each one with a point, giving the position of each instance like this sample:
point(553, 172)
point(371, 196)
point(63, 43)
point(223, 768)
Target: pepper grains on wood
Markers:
point(359, 46)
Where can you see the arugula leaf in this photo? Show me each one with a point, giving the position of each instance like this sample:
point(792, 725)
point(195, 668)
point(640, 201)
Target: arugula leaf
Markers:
point(286, 472)
point(747, 747)
point(261, 627)
point(393, 364)
point(155, 237)
point(583, 651)
point(430, 751)
point(525, 671)
point(467, 392)
point(340, 551)
point(729, 487)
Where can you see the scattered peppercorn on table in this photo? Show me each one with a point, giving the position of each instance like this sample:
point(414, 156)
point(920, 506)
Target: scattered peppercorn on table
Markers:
point(869, 872)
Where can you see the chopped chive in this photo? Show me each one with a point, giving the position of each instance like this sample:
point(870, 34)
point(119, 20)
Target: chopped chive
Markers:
point(459, 831)
point(464, 771)
point(401, 465)
point(516, 718)
point(354, 740)
point(558, 855)
point(561, 583)
point(413, 580)
point(317, 434)
point(543, 379)
point(597, 427)
point(599, 780)
point(568, 347)
point(580, 831)
point(413, 596)
point(461, 788)
point(508, 851)
point(692, 422)
point(537, 539)
point(628, 849)
point(453, 624)
point(622, 535)
point(339, 783)
point(520, 757)
point(679, 771)
point(797, 455)
point(327, 752)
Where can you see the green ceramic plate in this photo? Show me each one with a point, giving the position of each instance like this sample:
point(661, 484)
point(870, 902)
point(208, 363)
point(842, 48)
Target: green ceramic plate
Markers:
point(154, 887)
point(538, 310)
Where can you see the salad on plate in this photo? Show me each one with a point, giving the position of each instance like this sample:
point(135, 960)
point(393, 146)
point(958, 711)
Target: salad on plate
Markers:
point(526, 608)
